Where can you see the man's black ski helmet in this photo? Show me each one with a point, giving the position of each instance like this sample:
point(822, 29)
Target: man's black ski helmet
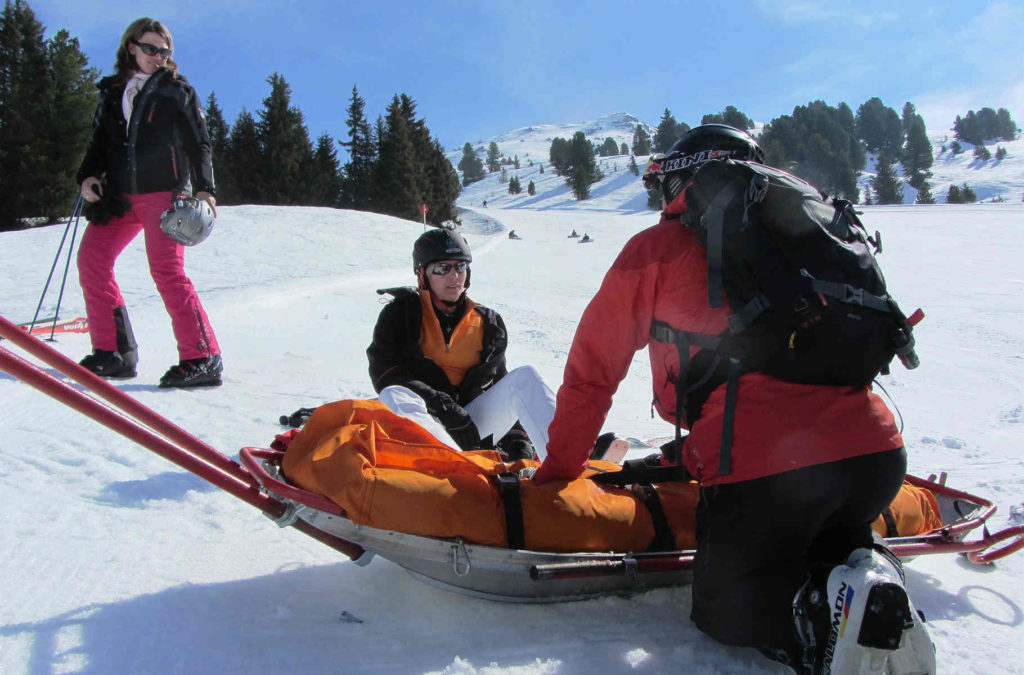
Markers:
point(698, 145)
point(440, 244)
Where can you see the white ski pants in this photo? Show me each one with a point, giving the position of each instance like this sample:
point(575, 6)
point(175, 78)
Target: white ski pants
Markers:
point(520, 395)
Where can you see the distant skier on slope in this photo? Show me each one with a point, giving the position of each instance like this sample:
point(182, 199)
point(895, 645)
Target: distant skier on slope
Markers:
point(784, 520)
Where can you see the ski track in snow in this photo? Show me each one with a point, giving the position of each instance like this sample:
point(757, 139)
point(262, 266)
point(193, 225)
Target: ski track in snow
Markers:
point(116, 561)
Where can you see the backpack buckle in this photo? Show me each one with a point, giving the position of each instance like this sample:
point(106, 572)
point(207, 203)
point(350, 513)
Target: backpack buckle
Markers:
point(853, 295)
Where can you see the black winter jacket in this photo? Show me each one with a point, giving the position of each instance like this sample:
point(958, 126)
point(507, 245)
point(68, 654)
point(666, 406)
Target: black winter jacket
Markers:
point(164, 147)
point(396, 358)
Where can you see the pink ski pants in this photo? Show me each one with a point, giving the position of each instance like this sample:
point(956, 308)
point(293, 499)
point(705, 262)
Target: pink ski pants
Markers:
point(102, 244)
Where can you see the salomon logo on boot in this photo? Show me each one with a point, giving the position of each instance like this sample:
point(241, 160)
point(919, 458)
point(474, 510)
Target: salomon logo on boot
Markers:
point(872, 627)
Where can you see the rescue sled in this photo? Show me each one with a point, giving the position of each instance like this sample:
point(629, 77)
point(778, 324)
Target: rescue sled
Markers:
point(492, 572)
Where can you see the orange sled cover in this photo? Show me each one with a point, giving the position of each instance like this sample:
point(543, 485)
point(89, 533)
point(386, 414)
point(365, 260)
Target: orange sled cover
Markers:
point(389, 473)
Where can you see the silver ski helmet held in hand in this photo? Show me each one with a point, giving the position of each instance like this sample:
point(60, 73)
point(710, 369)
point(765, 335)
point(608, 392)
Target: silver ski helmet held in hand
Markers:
point(189, 221)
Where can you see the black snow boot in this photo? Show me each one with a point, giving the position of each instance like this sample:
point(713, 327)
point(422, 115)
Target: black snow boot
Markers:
point(202, 372)
point(119, 364)
point(109, 364)
point(127, 347)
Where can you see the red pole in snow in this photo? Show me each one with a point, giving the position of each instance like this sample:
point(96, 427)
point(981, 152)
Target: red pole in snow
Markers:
point(191, 454)
point(119, 399)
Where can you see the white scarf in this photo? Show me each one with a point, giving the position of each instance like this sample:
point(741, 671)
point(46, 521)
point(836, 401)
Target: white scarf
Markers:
point(132, 89)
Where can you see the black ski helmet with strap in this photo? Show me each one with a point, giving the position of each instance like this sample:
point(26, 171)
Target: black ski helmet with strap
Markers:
point(673, 169)
point(439, 244)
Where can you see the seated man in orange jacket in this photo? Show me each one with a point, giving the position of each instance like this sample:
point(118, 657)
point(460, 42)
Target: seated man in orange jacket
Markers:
point(439, 358)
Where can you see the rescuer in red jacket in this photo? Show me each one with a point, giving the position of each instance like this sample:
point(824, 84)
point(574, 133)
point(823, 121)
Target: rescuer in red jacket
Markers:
point(811, 465)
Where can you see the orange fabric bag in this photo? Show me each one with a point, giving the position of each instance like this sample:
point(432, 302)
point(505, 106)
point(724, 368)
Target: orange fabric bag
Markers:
point(389, 473)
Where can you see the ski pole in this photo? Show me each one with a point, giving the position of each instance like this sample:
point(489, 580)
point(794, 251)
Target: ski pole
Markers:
point(46, 286)
point(76, 214)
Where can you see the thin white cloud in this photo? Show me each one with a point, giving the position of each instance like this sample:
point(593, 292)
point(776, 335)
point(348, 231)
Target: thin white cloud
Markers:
point(819, 11)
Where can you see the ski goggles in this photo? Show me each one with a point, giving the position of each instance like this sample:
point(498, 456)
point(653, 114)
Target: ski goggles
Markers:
point(441, 269)
point(670, 183)
point(153, 50)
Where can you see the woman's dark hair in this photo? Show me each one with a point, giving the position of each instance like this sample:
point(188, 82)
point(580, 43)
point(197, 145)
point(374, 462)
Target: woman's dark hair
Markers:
point(124, 63)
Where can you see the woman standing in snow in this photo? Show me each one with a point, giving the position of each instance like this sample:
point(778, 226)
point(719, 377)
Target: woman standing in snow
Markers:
point(149, 144)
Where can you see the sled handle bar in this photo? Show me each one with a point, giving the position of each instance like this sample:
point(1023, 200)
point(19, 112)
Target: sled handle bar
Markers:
point(251, 460)
point(119, 399)
point(239, 483)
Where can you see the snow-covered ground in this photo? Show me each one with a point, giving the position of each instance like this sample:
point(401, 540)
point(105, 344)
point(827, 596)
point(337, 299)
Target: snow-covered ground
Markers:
point(116, 561)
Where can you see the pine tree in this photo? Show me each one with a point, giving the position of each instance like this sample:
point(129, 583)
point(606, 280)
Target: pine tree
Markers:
point(633, 168)
point(609, 147)
point(669, 131)
point(244, 161)
point(917, 153)
point(395, 185)
point(924, 194)
point(68, 123)
point(641, 141)
point(357, 183)
point(515, 186)
point(954, 196)
point(220, 137)
point(817, 143)
point(531, 189)
point(24, 97)
point(471, 166)
point(879, 127)
point(286, 148)
point(969, 197)
point(325, 188)
point(731, 116)
point(583, 169)
point(443, 182)
point(558, 155)
point(886, 183)
point(493, 157)
point(623, 149)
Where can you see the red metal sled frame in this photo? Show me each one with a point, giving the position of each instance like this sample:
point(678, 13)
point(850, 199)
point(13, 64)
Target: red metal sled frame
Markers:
point(142, 425)
point(947, 539)
point(254, 485)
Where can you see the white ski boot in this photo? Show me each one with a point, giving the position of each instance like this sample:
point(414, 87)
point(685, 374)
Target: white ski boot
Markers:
point(864, 622)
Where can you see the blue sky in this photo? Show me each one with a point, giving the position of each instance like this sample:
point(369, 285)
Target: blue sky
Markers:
point(479, 68)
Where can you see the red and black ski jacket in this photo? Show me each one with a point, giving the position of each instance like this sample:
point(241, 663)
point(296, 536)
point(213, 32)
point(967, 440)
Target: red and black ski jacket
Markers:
point(163, 147)
point(661, 276)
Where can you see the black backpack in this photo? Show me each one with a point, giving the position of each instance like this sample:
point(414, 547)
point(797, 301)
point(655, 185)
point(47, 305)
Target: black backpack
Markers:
point(808, 300)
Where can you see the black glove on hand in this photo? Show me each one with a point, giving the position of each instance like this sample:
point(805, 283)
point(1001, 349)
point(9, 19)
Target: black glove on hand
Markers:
point(516, 445)
point(109, 206)
point(456, 421)
point(297, 418)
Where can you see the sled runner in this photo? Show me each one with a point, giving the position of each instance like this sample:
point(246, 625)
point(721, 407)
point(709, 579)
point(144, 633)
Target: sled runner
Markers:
point(490, 571)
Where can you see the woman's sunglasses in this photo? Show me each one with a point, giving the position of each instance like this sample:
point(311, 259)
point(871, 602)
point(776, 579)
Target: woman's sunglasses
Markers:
point(153, 50)
point(441, 269)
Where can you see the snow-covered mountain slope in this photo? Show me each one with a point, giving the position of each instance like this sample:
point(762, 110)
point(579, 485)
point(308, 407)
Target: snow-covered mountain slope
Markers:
point(990, 179)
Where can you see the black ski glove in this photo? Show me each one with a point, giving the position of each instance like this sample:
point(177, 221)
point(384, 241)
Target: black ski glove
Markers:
point(297, 418)
point(109, 206)
point(456, 421)
point(516, 445)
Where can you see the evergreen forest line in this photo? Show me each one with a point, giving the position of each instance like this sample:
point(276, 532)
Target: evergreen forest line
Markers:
point(395, 166)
